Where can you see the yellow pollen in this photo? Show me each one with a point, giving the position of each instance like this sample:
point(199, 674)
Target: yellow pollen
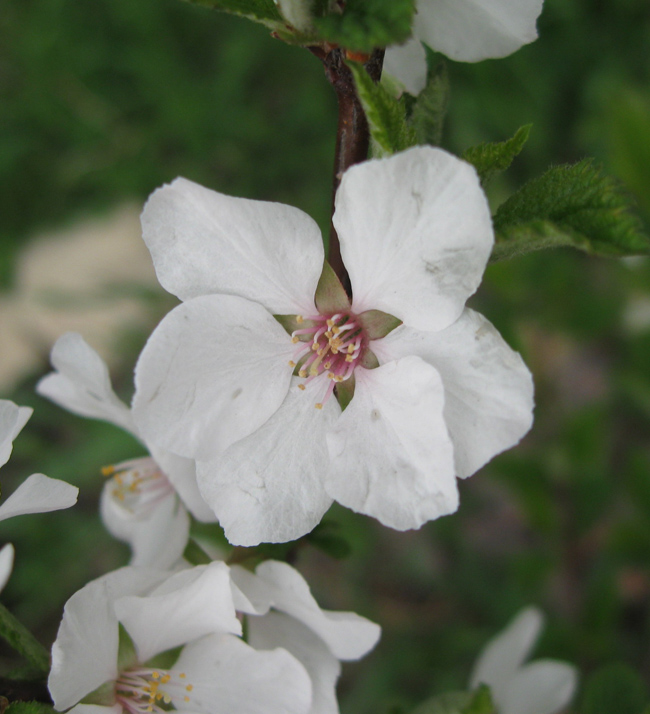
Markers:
point(349, 358)
point(336, 330)
point(338, 378)
point(314, 346)
point(156, 675)
point(302, 373)
point(108, 470)
point(189, 687)
point(299, 318)
point(182, 675)
point(186, 699)
point(350, 349)
point(330, 375)
point(292, 363)
point(318, 405)
point(330, 323)
point(328, 334)
point(302, 386)
point(165, 679)
point(295, 339)
point(118, 480)
point(167, 699)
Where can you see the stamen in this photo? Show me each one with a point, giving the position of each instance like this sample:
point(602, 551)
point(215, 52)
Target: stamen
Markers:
point(139, 485)
point(141, 690)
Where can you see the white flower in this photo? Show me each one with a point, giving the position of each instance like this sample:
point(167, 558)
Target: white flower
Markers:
point(37, 494)
point(215, 672)
point(140, 502)
point(543, 686)
point(216, 379)
point(464, 30)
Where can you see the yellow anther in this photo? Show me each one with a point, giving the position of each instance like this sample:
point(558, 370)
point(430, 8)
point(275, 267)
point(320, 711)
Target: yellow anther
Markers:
point(338, 378)
point(186, 699)
point(329, 323)
point(331, 375)
point(292, 363)
point(295, 339)
point(189, 687)
point(302, 373)
point(118, 480)
point(327, 365)
point(349, 358)
point(299, 318)
point(314, 346)
point(313, 371)
point(302, 386)
point(182, 675)
point(167, 699)
point(335, 330)
point(156, 675)
point(350, 349)
point(318, 405)
point(108, 470)
point(165, 679)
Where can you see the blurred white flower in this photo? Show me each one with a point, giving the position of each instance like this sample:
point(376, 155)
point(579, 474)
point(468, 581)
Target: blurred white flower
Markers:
point(543, 686)
point(289, 667)
point(465, 31)
point(145, 501)
point(221, 381)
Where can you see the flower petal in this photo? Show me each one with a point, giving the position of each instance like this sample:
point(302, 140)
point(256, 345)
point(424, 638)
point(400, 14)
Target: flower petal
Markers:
point(227, 675)
point(213, 371)
point(541, 687)
point(268, 487)
point(504, 654)
point(205, 242)
point(390, 454)
point(157, 541)
point(190, 604)
point(81, 383)
point(84, 655)
point(250, 594)
point(39, 494)
point(12, 419)
point(416, 234)
point(6, 564)
point(278, 630)
point(488, 388)
point(407, 64)
point(474, 30)
point(348, 635)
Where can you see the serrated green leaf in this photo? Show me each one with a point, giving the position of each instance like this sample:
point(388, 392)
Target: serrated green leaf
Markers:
point(386, 115)
point(447, 703)
point(22, 640)
point(490, 159)
point(430, 109)
point(614, 688)
point(29, 708)
point(571, 205)
point(366, 24)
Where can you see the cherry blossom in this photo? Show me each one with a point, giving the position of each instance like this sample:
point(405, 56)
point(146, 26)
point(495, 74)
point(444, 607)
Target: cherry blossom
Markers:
point(543, 686)
point(232, 376)
point(145, 501)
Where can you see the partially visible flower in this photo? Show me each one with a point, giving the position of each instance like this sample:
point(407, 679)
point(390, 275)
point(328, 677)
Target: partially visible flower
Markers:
point(284, 669)
point(435, 391)
point(543, 686)
point(37, 494)
point(464, 30)
point(145, 501)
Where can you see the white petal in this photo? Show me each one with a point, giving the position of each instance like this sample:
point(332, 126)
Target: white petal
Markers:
point(12, 419)
point(39, 494)
point(503, 655)
point(190, 604)
point(157, 541)
point(268, 486)
point(229, 676)
point(541, 687)
point(6, 564)
point(81, 383)
point(391, 455)
point(416, 234)
point(213, 371)
point(348, 635)
point(296, 13)
point(84, 655)
point(279, 630)
point(407, 64)
point(250, 593)
point(181, 473)
point(205, 242)
point(473, 30)
point(488, 388)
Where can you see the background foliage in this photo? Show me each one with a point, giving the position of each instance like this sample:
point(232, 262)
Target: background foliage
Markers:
point(103, 102)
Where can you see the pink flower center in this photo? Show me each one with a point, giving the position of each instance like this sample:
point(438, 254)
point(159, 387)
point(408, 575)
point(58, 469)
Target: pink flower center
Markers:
point(329, 344)
point(141, 690)
point(138, 485)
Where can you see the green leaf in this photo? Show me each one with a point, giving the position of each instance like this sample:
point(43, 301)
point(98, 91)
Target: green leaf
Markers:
point(22, 640)
point(366, 24)
point(429, 111)
point(572, 205)
point(614, 688)
point(264, 11)
point(481, 702)
point(386, 115)
point(447, 703)
point(490, 159)
point(29, 708)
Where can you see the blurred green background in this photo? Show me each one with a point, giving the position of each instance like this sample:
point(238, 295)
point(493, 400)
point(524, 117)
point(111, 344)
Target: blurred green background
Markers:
point(101, 103)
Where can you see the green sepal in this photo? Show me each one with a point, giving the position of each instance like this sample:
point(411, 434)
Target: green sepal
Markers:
point(491, 159)
point(291, 322)
point(22, 640)
point(614, 688)
point(477, 702)
point(571, 205)
point(126, 653)
point(103, 696)
point(369, 360)
point(166, 659)
point(330, 295)
point(366, 24)
point(430, 109)
point(386, 115)
point(194, 554)
point(377, 324)
point(345, 392)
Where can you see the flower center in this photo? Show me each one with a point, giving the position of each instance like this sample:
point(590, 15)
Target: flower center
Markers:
point(138, 485)
point(141, 690)
point(329, 344)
